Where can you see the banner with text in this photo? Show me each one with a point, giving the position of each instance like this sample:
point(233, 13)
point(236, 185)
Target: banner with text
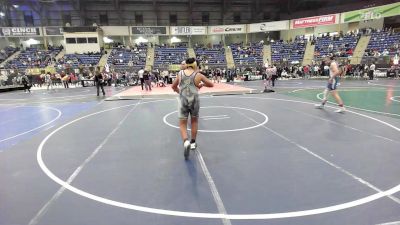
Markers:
point(268, 26)
point(19, 31)
point(188, 30)
point(371, 13)
point(149, 30)
point(54, 31)
point(227, 29)
point(315, 21)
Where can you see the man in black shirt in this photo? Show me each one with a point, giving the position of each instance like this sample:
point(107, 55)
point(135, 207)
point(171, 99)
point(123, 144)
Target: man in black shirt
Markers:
point(147, 80)
point(98, 79)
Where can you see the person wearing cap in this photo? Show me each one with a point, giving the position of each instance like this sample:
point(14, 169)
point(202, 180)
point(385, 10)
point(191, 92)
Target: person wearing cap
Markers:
point(187, 84)
point(334, 73)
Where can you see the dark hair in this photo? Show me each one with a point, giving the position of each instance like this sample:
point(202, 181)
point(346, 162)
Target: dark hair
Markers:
point(190, 60)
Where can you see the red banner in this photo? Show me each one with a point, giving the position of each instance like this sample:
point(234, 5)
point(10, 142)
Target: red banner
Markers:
point(314, 21)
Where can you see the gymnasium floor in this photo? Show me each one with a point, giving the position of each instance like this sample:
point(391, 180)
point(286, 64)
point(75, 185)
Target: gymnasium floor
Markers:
point(69, 157)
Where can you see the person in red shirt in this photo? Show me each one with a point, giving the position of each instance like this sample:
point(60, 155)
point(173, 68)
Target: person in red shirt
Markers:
point(306, 70)
point(350, 52)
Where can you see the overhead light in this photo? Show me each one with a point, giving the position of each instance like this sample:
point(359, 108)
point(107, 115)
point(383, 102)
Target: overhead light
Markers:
point(32, 41)
point(16, 6)
point(175, 40)
point(2, 14)
point(107, 40)
point(141, 40)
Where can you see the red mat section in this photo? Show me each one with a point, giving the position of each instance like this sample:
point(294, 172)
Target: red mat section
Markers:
point(218, 88)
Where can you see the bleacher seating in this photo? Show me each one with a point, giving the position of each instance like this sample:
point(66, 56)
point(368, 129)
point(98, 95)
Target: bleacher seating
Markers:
point(74, 60)
point(214, 56)
point(340, 46)
point(251, 55)
point(34, 58)
point(7, 52)
point(381, 41)
point(168, 56)
point(125, 58)
point(290, 51)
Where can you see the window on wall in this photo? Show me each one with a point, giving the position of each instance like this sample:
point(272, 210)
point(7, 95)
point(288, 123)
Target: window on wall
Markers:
point(139, 19)
point(205, 17)
point(236, 17)
point(173, 18)
point(81, 40)
point(103, 19)
point(28, 18)
point(66, 18)
point(92, 40)
point(70, 40)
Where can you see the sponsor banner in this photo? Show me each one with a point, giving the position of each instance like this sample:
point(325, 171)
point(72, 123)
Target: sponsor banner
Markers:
point(54, 31)
point(33, 71)
point(371, 13)
point(149, 30)
point(115, 30)
point(268, 26)
point(188, 30)
point(315, 21)
point(227, 29)
point(174, 67)
point(19, 31)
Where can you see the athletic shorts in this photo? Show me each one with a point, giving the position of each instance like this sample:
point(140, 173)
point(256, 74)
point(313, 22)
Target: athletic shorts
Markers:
point(189, 106)
point(332, 86)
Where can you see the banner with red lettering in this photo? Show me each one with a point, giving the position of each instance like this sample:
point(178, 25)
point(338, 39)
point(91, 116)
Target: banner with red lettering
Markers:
point(314, 21)
point(227, 29)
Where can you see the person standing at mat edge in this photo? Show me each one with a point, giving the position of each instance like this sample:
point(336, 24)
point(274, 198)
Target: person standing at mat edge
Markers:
point(140, 74)
point(334, 74)
point(147, 80)
point(187, 84)
point(98, 79)
point(27, 84)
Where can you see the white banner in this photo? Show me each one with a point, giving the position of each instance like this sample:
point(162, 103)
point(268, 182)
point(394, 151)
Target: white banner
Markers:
point(19, 31)
point(227, 29)
point(268, 26)
point(188, 30)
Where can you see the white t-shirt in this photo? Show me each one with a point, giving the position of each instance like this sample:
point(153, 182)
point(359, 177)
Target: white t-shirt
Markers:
point(140, 73)
point(372, 67)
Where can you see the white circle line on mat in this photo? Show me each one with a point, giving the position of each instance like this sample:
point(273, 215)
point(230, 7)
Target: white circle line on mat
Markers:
point(361, 109)
point(36, 128)
point(301, 213)
point(226, 130)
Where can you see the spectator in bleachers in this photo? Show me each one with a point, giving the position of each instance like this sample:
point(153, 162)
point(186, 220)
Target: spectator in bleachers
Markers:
point(383, 41)
point(167, 56)
point(32, 57)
